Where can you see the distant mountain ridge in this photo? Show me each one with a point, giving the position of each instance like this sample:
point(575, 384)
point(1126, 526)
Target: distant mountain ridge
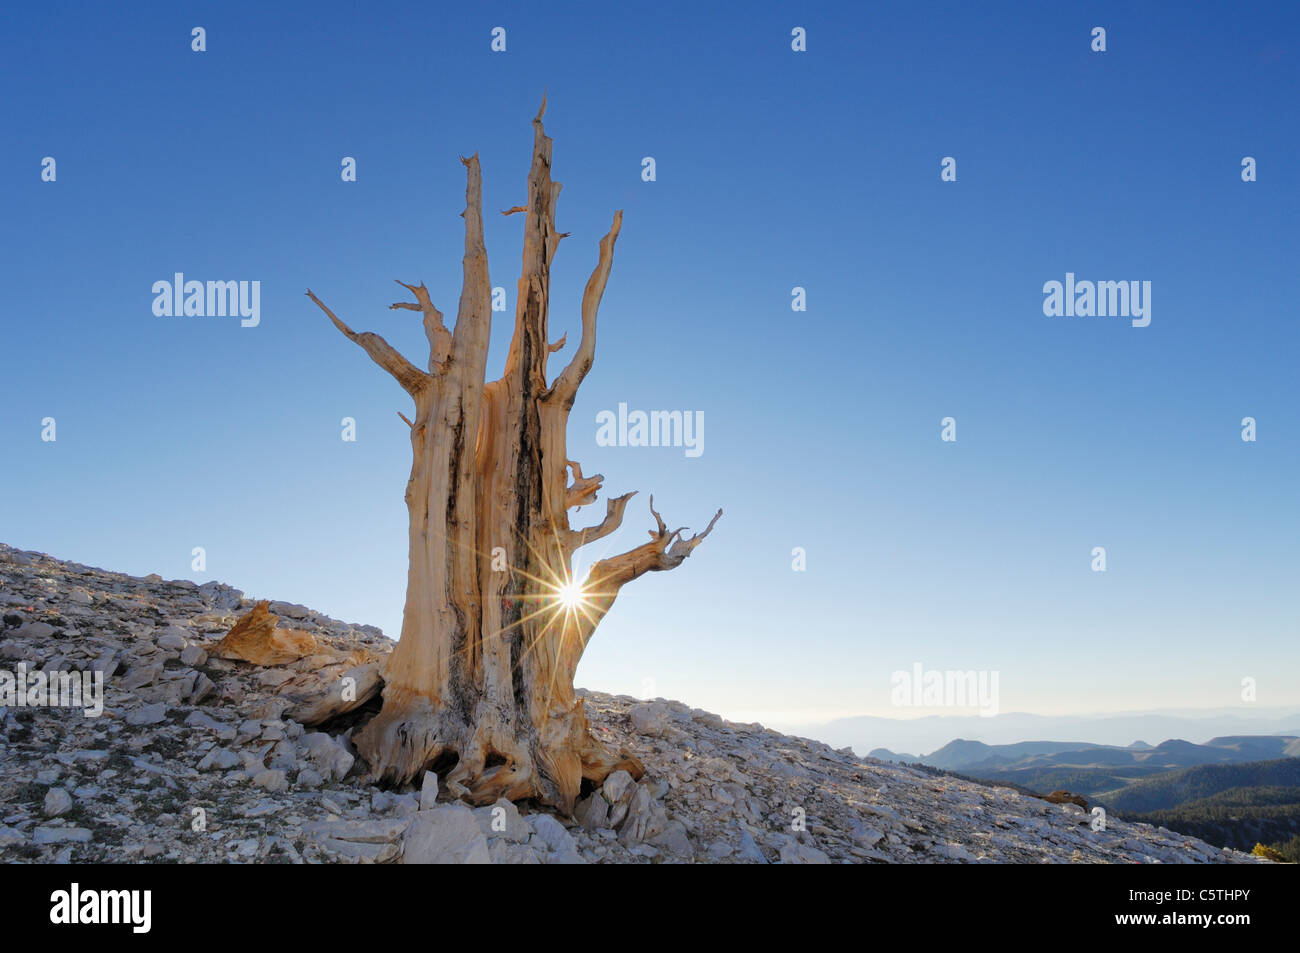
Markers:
point(1233, 790)
point(931, 732)
point(1024, 760)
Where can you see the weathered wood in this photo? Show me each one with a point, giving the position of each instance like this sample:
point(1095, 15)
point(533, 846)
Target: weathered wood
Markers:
point(480, 685)
point(256, 637)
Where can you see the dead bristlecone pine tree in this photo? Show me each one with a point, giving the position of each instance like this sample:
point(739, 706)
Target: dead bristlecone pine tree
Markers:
point(480, 684)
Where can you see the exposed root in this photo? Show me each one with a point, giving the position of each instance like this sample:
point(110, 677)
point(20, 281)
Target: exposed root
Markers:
point(404, 739)
point(485, 763)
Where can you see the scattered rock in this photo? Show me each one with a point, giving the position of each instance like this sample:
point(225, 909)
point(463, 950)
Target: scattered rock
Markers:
point(272, 780)
point(645, 818)
point(331, 758)
point(193, 656)
point(503, 821)
point(649, 719)
point(60, 835)
point(172, 639)
point(617, 787)
point(310, 778)
point(563, 848)
point(793, 852)
point(504, 852)
point(147, 715)
point(429, 791)
point(445, 835)
point(276, 792)
point(592, 812)
point(57, 801)
point(674, 840)
point(220, 759)
point(748, 850)
point(375, 841)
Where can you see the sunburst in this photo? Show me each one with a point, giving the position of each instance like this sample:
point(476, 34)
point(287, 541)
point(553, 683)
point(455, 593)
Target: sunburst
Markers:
point(571, 596)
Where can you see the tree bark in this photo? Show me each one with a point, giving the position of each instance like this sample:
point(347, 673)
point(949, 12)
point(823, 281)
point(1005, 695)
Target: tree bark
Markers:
point(480, 685)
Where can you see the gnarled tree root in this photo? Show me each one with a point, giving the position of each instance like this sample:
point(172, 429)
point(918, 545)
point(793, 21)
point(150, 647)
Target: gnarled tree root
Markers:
point(482, 760)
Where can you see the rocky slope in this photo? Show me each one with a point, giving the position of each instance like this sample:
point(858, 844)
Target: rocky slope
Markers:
point(197, 758)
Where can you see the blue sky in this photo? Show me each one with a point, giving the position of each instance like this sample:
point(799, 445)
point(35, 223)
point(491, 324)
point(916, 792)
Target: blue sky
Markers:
point(775, 169)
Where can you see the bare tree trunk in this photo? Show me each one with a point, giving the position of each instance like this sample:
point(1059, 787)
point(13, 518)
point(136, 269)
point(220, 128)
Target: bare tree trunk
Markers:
point(480, 685)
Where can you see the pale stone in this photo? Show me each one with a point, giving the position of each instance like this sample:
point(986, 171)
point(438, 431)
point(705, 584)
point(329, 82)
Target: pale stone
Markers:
point(445, 835)
point(147, 715)
point(429, 791)
point(57, 801)
point(271, 780)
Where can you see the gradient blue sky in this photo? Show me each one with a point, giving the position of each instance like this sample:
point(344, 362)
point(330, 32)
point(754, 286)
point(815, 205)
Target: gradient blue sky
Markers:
point(775, 169)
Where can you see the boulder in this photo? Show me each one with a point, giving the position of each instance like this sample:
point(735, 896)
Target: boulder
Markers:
point(503, 821)
point(272, 780)
point(445, 835)
point(645, 818)
point(650, 718)
point(333, 760)
point(592, 812)
point(57, 801)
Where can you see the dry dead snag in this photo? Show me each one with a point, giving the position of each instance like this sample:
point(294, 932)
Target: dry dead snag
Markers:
point(480, 685)
point(258, 638)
